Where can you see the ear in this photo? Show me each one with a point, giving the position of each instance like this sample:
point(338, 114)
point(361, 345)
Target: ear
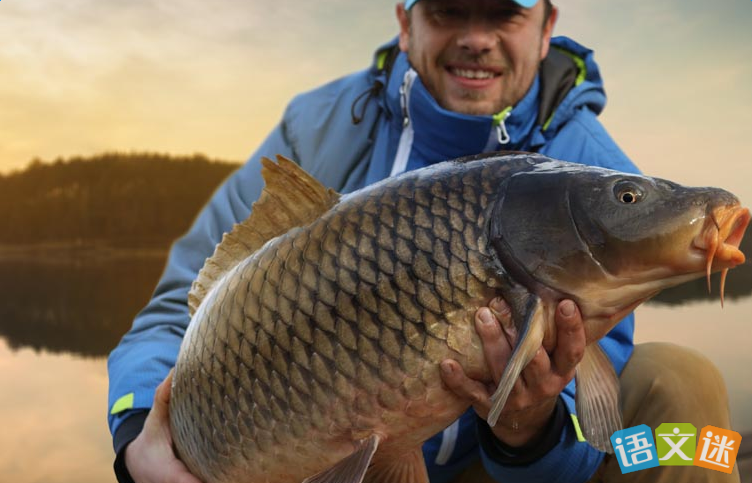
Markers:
point(404, 21)
point(548, 30)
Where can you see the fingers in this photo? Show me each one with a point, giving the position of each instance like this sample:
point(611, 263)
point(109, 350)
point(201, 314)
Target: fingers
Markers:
point(160, 409)
point(570, 335)
point(496, 347)
point(475, 391)
point(503, 314)
point(553, 366)
point(165, 388)
point(566, 354)
point(538, 370)
point(544, 376)
point(150, 457)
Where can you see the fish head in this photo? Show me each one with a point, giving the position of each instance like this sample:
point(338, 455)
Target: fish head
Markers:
point(611, 240)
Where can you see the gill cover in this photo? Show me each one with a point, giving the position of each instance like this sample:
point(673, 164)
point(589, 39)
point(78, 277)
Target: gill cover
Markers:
point(536, 239)
point(532, 229)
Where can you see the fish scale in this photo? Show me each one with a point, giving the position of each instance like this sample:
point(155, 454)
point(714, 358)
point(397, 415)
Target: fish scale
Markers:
point(343, 321)
point(312, 355)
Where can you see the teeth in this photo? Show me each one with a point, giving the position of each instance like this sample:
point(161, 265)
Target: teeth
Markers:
point(473, 74)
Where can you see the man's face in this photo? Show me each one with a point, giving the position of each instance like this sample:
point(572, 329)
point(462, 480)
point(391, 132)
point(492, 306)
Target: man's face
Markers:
point(475, 57)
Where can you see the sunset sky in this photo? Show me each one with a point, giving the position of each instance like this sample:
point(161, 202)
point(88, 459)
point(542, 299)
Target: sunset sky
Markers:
point(82, 76)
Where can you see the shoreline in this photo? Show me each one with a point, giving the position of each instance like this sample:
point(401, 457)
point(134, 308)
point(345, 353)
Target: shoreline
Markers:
point(66, 252)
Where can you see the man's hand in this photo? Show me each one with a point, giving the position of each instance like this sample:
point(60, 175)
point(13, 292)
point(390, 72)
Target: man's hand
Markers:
point(149, 458)
point(533, 398)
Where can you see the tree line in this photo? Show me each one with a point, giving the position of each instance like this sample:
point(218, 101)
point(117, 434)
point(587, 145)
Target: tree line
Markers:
point(116, 199)
point(147, 200)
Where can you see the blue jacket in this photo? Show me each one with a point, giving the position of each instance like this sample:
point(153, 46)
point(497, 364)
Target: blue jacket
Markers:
point(349, 133)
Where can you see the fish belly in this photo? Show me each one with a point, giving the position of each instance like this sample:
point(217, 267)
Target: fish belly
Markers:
point(333, 332)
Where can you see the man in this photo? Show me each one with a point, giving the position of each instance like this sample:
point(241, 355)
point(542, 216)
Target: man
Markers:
point(467, 76)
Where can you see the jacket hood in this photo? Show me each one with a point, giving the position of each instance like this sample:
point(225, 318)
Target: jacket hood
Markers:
point(568, 80)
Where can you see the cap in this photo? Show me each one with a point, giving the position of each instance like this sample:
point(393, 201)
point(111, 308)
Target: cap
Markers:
point(522, 3)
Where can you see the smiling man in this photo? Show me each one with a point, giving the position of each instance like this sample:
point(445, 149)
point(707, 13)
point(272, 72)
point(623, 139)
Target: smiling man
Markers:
point(476, 57)
point(463, 77)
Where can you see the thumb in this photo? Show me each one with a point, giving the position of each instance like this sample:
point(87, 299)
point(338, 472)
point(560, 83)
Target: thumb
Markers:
point(160, 409)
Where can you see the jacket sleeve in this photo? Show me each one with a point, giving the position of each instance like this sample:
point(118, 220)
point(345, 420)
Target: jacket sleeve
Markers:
point(570, 458)
point(149, 350)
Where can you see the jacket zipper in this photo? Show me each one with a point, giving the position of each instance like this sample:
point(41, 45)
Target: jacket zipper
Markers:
point(501, 127)
point(408, 134)
point(448, 442)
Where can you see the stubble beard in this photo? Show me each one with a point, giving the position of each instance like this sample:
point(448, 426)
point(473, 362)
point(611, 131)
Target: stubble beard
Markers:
point(467, 101)
point(463, 101)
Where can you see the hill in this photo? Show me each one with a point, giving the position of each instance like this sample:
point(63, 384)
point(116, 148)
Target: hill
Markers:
point(131, 200)
point(145, 201)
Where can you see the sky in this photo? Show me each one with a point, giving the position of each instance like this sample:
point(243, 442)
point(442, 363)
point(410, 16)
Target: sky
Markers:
point(85, 76)
point(81, 77)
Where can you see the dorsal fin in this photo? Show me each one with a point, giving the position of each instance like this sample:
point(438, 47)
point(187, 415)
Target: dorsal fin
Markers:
point(290, 198)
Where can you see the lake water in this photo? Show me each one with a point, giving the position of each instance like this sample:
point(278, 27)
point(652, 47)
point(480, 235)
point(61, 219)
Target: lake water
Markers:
point(60, 318)
point(58, 321)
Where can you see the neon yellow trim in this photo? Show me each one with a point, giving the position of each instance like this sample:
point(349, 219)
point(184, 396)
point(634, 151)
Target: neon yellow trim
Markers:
point(579, 62)
point(580, 436)
point(498, 118)
point(548, 121)
point(125, 402)
point(381, 59)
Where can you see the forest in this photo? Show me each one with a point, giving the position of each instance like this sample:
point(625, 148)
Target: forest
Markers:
point(123, 200)
point(147, 200)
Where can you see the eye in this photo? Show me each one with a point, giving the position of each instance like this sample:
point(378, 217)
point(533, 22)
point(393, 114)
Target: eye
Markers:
point(628, 193)
point(502, 14)
point(628, 197)
point(448, 13)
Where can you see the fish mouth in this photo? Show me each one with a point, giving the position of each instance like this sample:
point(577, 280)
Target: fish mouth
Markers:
point(720, 239)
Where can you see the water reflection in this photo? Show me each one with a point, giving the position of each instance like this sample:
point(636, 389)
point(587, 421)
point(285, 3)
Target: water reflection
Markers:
point(83, 306)
point(59, 320)
point(53, 409)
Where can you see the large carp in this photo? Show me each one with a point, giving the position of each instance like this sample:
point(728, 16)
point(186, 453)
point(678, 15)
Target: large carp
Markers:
point(319, 324)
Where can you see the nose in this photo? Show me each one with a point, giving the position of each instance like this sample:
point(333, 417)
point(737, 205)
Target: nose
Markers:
point(477, 37)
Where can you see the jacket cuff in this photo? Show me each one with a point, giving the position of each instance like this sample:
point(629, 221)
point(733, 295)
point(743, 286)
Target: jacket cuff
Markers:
point(529, 453)
point(127, 432)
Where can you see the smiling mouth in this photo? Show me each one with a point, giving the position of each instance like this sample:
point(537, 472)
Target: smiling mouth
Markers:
point(473, 74)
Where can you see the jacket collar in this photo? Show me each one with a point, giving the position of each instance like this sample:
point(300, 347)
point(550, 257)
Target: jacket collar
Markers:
point(440, 134)
point(568, 80)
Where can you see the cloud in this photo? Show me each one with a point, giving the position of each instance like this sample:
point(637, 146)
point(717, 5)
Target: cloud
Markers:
point(182, 76)
point(676, 74)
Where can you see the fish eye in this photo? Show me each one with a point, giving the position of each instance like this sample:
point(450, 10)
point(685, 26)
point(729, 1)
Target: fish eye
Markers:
point(628, 193)
point(628, 197)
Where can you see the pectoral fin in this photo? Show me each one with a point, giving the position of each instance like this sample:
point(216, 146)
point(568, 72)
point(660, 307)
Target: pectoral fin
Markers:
point(411, 468)
point(533, 328)
point(351, 469)
point(597, 398)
